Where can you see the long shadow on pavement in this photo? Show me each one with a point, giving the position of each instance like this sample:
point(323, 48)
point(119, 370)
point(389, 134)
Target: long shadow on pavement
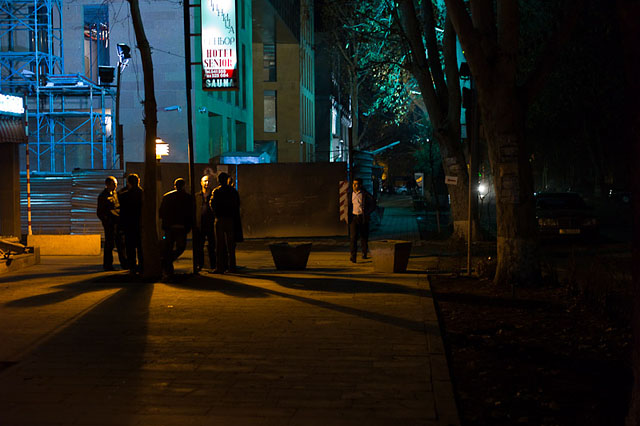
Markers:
point(216, 283)
point(235, 288)
point(88, 372)
point(21, 276)
point(337, 284)
point(76, 288)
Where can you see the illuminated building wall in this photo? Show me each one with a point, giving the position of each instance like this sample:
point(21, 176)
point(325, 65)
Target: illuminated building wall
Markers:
point(223, 119)
point(283, 80)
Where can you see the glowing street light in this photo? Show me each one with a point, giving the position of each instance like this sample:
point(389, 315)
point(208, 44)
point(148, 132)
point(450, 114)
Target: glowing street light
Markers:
point(482, 190)
point(162, 149)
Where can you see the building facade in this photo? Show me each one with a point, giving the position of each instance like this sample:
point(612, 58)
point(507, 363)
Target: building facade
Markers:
point(224, 118)
point(283, 80)
point(272, 111)
point(333, 112)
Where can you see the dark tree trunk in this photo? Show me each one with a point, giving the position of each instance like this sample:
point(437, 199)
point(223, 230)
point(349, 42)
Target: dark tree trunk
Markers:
point(453, 163)
point(490, 40)
point(517, 257)
point(150, 249)
point(629, 16)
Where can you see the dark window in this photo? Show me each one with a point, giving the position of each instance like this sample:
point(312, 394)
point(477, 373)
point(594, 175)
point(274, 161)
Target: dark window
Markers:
point(241, 136)
point(269, 65)
point(243, 78)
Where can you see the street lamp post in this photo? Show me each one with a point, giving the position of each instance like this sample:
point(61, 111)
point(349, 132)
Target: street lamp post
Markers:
point(124, 55)
point(471, 103)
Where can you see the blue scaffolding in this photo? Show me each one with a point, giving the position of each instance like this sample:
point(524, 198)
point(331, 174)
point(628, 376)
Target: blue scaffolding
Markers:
point(69, 122)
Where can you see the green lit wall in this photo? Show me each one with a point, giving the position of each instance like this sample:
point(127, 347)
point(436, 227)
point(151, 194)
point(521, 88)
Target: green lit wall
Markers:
point(224, 119)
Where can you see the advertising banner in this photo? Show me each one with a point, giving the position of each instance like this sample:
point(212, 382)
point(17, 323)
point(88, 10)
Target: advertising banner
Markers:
point(219, 45)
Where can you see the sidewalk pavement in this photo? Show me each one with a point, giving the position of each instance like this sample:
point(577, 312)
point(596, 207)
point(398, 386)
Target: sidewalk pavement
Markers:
point(335, 344)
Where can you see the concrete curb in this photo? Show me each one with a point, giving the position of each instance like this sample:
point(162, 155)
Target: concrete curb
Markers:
point(20, 261)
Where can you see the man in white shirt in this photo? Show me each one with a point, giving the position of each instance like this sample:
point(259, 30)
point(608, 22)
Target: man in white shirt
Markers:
point(361, 205)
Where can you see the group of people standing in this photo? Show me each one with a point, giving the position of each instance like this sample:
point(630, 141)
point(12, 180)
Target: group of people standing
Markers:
point(121, 216)
point(217, 222)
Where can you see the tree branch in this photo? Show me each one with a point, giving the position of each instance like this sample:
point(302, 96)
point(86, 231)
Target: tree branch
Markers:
point(536, 80)
point(434, 53)
point(470, 39)
point(453, 77)
point(483, 18)
point(508, 11)
point(409, 23)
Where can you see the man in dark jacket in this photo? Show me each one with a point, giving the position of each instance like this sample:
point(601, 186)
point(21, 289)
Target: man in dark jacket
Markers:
point(361, 205)
point(176, 212)
point(109, 213)
point(204, 230)
point(130, 221)
point(225, 203)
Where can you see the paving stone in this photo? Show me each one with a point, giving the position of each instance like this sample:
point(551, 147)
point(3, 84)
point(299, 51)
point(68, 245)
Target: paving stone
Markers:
point(334, 345)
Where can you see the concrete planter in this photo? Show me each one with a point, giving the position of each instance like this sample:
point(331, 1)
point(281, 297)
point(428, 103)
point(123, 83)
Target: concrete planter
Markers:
point(290, 257)
point(66, 245)
point(390, 255)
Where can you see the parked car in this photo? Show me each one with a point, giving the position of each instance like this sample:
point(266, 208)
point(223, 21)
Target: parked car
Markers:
point(623, 197)
point(564, 213)
point(402, 190)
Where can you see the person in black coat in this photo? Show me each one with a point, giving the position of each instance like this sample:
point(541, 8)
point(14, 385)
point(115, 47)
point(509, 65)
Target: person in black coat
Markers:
point(130, 221)
point(361, 205)
point(176, 213)
point(204, 230)
point(108, 211)
point(225, 203)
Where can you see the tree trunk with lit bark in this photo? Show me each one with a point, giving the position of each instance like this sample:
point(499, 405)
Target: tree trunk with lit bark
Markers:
point(503, 120)
point(489, 37)
point(150, 250)
point(440, 90)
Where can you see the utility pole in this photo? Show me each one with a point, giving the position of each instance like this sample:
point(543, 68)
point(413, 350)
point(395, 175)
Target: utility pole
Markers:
point(124, 55)
point(187, 68)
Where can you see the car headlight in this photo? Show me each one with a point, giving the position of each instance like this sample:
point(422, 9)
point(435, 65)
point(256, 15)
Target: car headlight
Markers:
point(590, 222)
point(546, 221)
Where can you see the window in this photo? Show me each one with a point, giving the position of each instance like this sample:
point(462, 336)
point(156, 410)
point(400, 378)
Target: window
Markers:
point(96, 39)
point(269, 62)
point(243, 78)
point(241, 136)
point(270, 117)
point(229, 141)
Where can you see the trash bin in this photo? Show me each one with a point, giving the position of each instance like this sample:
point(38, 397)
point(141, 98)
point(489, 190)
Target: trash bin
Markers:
point(390, 255)
point(290, 256)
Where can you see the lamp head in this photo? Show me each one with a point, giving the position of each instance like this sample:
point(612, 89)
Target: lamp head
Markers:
point(162, 148)
point(124, 53)
point(465, 71)
point(483, 189)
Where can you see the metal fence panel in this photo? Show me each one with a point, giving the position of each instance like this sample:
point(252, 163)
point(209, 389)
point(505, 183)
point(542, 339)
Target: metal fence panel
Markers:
point(64, 203)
